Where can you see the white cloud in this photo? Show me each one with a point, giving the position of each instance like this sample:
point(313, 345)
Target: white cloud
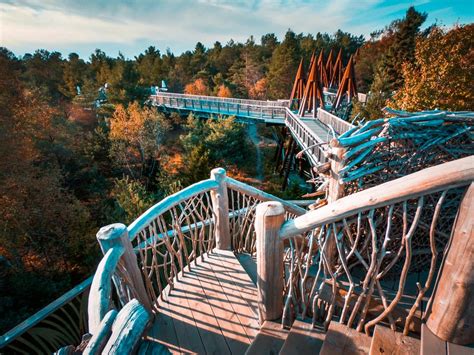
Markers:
point(26, 25)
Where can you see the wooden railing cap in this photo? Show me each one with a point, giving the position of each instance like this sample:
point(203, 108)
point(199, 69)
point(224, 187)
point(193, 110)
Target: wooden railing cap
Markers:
point(270, 208)
point(218, 173)
point(111, 231)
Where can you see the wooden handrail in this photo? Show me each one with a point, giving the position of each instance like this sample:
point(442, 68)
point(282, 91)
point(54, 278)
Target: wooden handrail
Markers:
point(448, 175)
point(337, 123)
point(43, 313)
point(169, 202)
point(258, 194)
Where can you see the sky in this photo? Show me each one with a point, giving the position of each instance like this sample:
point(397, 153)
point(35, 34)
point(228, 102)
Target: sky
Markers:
point(128, 26)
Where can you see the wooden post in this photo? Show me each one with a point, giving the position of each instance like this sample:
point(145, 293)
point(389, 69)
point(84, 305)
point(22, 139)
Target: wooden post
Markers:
point(268, 220)
point(336, 189)
point(117, 234)
point(220, 206)
point(451, 311)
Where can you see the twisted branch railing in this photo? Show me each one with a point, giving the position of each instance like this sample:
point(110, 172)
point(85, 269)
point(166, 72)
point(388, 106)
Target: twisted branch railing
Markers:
point(352, 260)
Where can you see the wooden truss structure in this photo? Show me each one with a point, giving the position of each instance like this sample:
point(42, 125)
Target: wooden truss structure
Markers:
point(347, 86)
point(313, 94)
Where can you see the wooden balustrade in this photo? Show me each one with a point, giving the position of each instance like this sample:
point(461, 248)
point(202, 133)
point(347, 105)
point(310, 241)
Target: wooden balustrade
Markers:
point(256, 109)
point(311, 143)
point(375, 230)
point(168, 95)
point(451, 314)
point(338, 124)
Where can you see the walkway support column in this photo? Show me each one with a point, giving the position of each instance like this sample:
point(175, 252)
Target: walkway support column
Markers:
point(220, 206)
point(269, 218)
point(451, 311)
point(117, 235)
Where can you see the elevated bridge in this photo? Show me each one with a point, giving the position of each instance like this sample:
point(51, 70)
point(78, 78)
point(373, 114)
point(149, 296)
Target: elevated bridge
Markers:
point(310, 133)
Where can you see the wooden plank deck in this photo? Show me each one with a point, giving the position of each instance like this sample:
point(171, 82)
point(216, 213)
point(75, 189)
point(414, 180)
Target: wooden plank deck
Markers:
point(211, 310)
point(319, 128)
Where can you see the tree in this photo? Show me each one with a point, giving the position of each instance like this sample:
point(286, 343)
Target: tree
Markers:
point(224, 91)
point(150, 67)
point(283, 66)
point(388, 75)
point(136, 136)
point(198, 87)
point(75, 72)
point(43, 71)
point(402, 49)
point(442, 74)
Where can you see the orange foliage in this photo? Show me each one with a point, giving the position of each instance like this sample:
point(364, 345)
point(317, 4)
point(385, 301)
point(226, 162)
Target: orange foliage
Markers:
point(198, 87)
point(224, 91)
point(259, 90)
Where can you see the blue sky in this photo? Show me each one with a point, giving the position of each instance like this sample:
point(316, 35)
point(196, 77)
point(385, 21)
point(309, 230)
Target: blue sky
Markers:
point(131, 26)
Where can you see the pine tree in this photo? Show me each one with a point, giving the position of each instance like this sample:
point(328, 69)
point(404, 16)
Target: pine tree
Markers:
point(283, 66)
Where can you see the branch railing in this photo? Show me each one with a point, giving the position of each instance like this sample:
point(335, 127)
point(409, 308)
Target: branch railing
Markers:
point(353, 260)
point(147, 257)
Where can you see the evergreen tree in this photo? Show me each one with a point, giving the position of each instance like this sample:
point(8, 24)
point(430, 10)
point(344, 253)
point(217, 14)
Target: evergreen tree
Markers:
point(402, 49)
point(283, 66)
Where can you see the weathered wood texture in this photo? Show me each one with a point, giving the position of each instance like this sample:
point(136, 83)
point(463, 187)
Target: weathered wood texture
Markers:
point(211, 309)
point(116, 235)
point(342, 340)
point(387, 342)
point(431, 344)
point(220, 206)
point(303, 339)
point(448, 175)
point(127, 329)
point(269, 339)
point(451, 316)
point(269, 218)
point(101, 288)
point(99, 339)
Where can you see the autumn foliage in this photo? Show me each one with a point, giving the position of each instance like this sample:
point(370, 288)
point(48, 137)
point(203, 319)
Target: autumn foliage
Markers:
point(197, 87)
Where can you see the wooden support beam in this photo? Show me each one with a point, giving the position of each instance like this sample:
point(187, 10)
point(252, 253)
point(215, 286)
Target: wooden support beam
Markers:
point(451, 312)
point(330, 65)
point(268, 220)
point(313, 94)
point(337, 71)
point(347, 86)
point(291, 157)
point(220, 206)
point(298, 88)
point(323, 77)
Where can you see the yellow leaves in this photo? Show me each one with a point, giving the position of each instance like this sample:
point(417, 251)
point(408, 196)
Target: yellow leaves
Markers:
point(198, 87)
point(259, 90)
point(443, 74)
point(224, 91)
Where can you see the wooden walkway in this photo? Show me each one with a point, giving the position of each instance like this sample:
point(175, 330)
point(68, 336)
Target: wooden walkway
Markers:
point(319, 128)
point(212, 309)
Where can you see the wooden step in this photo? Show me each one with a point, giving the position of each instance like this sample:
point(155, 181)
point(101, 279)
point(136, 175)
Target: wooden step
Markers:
point(386, 341)
point(269, 339)
point(343, 340)
point(303, 339)
point(431, 345)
